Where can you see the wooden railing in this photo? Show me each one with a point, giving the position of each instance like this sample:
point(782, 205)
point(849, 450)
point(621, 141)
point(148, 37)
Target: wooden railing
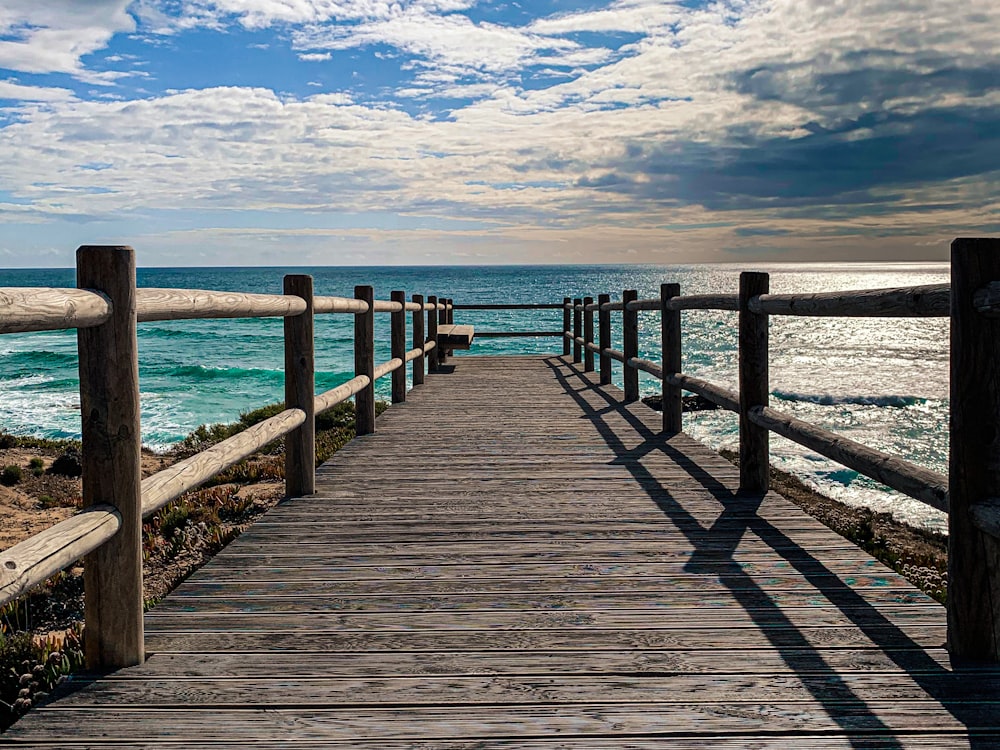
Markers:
point(970, 494)
point(105, 309)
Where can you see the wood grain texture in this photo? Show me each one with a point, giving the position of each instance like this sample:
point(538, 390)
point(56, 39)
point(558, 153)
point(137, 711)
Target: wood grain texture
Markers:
point(364, 362)
point(566, 576)
point(387, 306)
point(434, 361)
point(927, 301)
point(329, 399)
point(110, 430)
point(398, 348)
point(29, 563)
point(300, 389)
point(185, 304)
point(170, 483)
point(322, 305)
point(46, 309)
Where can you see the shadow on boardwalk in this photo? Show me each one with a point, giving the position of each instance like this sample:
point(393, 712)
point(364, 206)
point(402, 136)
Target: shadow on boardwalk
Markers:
point(968, 691)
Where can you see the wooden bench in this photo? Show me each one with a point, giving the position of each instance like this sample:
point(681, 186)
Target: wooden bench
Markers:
point(451, 337)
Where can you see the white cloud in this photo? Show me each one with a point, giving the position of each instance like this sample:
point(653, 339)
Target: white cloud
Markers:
point(52, 36)
point(315, 56)
point(18, 92)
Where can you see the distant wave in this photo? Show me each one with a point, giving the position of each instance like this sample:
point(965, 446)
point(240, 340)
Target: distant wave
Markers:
point(198, 372)
point(206, 334)
point(828, 399)
point(39, 358)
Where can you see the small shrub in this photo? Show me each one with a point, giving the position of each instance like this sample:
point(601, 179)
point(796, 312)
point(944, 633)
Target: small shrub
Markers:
point(173, 518)
point(10, 475)
point(37, 466)
point(7, 441)
point(68, 464)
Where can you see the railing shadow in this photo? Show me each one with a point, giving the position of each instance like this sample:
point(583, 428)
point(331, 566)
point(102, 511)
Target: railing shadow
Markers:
point(713, 555)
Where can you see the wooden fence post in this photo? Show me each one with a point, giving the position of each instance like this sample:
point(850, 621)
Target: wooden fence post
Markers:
point(753, 377)
point(567, 313)
point(974, 479)
point(588, 335)
point(442, 321)
point(418, 340)
point(451, 311)
point(432, 333)
point(300, 390)
point(109, 407)
point(364, 361)
point(577, 330)
point(604, 337)
point(630, 344)
point(670, 343)
point(398, 346)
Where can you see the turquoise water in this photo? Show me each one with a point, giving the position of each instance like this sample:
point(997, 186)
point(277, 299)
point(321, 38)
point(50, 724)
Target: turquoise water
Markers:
point(883, 382)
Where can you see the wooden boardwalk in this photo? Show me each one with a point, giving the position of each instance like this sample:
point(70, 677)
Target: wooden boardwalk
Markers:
point(516, 560)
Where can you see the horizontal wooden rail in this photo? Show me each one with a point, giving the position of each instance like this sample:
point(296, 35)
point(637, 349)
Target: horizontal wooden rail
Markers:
point(717, 394)
point(536, 306)
point(172, 482)
point(329, 399)
point(919, 483)
point(689, 302)
point(646, 366)
point(912, 480)
point(384, 306)
point(338, 305)
point(516, 334)
point(29, 563)
point(413, 354)
point(386, 367)
point(24, 309)
point(430, 345)
point(615, 354)
point(187, 304)
point(928, 301)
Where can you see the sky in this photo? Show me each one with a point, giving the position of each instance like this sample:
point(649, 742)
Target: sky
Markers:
point(363, 132)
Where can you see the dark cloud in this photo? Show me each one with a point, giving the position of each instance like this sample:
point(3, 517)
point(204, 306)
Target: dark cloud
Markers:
point(882, 151)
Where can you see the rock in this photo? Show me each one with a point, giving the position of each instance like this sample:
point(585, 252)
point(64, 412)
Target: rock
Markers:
point(688, 403)
point(68, 464)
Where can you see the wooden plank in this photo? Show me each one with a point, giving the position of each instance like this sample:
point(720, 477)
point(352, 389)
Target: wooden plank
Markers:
point(618, 722)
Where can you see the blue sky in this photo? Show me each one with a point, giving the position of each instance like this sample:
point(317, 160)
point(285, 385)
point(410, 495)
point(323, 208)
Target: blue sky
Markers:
point(296, 132)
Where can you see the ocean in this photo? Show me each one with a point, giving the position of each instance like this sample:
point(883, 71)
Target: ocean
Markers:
point(882, 382)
